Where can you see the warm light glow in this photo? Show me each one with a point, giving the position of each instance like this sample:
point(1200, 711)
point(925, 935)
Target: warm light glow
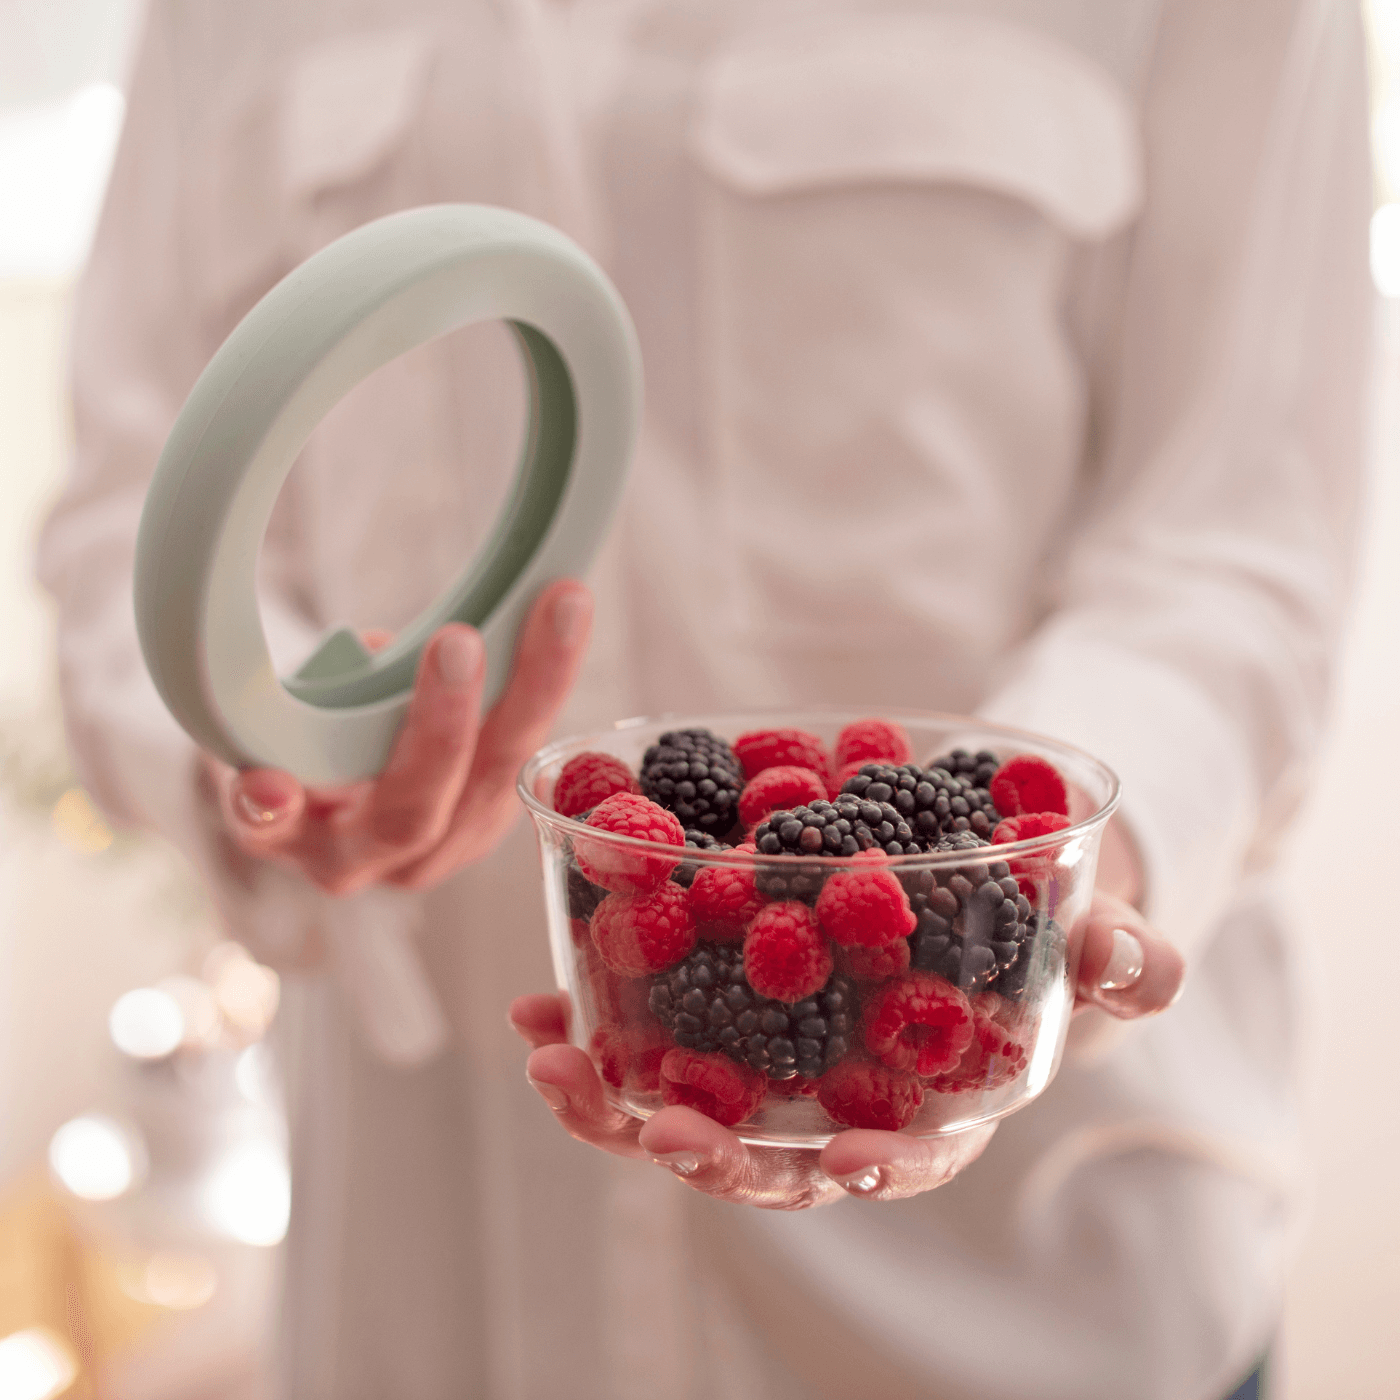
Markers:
point(34, 1365)
point(198, 1008)
point(247, 992)
point(95, 1158)
point(79, 825)
point(1385, 249)
point(177, 1281)
point(146, 1024)
point(248, 1196)
point(252, 1073)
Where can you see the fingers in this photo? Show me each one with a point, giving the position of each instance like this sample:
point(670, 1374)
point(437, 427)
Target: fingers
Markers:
point(539, 1020)
point(565, 1079)
point(1125, 967)
point(549, 653)
point(264, 809)
point(711, 1159)
point(890, 1167)
point(414, 797)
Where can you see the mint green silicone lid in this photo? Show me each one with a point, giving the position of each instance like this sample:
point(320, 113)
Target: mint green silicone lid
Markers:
point(360, 302)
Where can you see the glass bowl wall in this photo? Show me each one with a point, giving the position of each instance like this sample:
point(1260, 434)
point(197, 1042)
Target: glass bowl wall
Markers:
point(1023, 1006)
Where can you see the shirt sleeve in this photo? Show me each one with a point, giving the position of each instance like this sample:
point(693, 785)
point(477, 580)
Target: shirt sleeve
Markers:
point(1195, 619)
point(138, 343)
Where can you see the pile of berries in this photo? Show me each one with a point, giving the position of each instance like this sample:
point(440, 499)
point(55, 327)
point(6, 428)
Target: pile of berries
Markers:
point(813, 963)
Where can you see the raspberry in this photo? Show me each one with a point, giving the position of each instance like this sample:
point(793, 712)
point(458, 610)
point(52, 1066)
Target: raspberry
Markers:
point(713, 1084)
point(628, 1057)
point(785, 955)
point(995, 1056)
point(781, 748)
point(706, 1004)
point(866, 908)
point(784, 787)
point(694, 774)
point(616, 1000)
point(860, 1094)
point(617, 868)
point(587, 778)
point(1028, 826)
point(724, 899)
point(872, 741)
point(637, 934)
point(874, 964)
point(1027, 783)
point(1034, 871)
point(918, 1022)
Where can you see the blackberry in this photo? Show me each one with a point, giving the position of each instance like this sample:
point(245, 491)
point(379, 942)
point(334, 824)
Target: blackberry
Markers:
point(1040, 928)
point(842, 828)
point(933, 801)
point(705, 1004)
point(694, 774)
point(973, 920)
point(584, 895)
point(977, 769)
point(684, 874)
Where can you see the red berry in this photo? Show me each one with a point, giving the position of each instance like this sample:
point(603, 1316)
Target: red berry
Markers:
point(918, 1022)
point(779, 788)
point(628, 1057)
point(638, 934)
point(620, 868)
point(860, 1094)
point(588, 778)
point(724, 900)
point(872, 741)
point(1027, 783)
point(865, 908)
point(994, 1057)
point(785, 955)
point(781, 748)
point(875, 964)
point(713, 1084)
point(1028, 826)
point(1029, 870)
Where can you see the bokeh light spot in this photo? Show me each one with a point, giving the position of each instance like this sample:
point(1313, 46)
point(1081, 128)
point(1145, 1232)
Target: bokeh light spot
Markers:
point(96, 1158)
point(34, 1365)
point(146, 1024)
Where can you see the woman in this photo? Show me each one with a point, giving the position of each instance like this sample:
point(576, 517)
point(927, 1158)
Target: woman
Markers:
point(1009, 359)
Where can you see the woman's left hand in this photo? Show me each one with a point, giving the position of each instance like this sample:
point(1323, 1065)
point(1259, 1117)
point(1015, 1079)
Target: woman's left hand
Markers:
point(1121, 966)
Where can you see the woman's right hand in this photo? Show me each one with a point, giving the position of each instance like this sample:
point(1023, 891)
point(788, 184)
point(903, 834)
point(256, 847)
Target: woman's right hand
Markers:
point(447, 793)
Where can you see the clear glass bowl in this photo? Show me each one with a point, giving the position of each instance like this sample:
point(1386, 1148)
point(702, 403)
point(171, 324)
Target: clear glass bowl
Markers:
point(871, 1043)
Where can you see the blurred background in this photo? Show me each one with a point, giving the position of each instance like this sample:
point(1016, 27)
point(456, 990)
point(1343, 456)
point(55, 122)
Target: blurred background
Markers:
point(143, 1180)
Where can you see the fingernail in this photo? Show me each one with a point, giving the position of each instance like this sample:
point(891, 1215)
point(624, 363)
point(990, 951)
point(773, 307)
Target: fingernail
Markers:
point(459, 659)
point(552, 1094)
point(1125, 966)
point(682, 1163)
point(861, 1183)
point(253, 811)
point(571, 616)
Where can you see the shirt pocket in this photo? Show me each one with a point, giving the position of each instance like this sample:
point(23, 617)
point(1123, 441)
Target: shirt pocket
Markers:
point(889, 209)
point(323, 130)
point(919, 100)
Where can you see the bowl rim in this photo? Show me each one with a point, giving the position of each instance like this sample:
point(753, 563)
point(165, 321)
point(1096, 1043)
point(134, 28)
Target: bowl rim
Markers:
point(570, 826)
